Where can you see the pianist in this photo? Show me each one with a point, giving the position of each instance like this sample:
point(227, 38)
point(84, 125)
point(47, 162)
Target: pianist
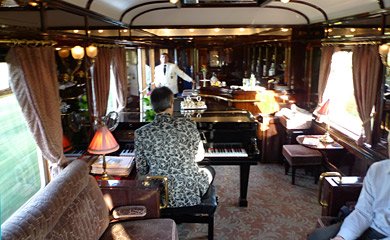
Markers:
point(168, 147)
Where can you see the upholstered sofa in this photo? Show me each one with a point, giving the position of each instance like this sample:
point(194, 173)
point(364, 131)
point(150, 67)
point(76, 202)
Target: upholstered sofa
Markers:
point(73, 207)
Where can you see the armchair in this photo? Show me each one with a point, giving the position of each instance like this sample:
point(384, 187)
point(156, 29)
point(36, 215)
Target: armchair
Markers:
point(73, 207)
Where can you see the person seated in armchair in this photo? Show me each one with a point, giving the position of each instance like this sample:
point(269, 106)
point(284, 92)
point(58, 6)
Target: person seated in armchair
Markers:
point(171, 147)
point(371, 217)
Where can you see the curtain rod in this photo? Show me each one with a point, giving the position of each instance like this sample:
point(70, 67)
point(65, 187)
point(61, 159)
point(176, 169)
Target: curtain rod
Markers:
point(35, 43)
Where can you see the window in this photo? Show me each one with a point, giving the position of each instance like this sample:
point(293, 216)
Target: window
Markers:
point(19, 169)
point(343, 114)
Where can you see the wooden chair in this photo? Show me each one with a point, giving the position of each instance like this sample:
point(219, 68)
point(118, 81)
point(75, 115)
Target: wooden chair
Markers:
point(201, 213)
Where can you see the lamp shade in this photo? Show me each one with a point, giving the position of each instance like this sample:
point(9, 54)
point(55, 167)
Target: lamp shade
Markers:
point(63, 53)
point(324, 110)
point(103, 142)
point(91, 51)
point(77, 52)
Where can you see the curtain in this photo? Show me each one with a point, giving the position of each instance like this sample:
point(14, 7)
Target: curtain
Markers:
point(119, 68)
point(366, 81)
point(325, 64)
point(33, 79)
point(101, 82)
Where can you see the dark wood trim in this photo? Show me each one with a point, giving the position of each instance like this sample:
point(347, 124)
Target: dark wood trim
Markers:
point(213, 26)
point(292, 10)
point(43, 17)
point(381, 4)
point(313, 6)
point(376, 132)
point(88, 5)
point(361, 152)
point(67, 7)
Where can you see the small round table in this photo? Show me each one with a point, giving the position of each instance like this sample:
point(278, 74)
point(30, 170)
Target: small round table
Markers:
point(313, 141)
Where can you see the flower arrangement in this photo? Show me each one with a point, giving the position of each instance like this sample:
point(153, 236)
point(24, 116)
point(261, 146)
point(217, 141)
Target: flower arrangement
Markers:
point(203, 68)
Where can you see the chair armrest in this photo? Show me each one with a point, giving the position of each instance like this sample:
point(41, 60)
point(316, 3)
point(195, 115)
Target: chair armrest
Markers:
point(130, 199)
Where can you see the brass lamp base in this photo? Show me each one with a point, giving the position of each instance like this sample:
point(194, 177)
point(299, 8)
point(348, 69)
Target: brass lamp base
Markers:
point(326, 138)
point(105, 175)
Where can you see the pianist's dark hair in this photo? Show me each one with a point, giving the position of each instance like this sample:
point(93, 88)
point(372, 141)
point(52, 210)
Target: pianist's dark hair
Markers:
point(161, 99)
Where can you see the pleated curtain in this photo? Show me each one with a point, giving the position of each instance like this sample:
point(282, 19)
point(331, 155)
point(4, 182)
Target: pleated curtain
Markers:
point(366, 67)
point(34, 83)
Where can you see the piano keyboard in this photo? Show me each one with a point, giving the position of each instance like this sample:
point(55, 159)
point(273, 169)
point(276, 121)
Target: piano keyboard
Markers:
point(75, 153)
point(127, 152)
point(225, 152)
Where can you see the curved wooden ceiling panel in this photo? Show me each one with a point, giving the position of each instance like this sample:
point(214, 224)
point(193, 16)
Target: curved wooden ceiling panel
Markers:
point(226, 16)
point(314, 13)
point(295, 12)
point(114, 14)
point(344, 8)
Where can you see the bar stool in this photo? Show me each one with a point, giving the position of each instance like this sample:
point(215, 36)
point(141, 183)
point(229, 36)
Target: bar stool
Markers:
point(298, 156)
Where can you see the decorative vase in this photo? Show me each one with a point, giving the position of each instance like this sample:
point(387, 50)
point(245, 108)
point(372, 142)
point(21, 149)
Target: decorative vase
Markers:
point(204, 75)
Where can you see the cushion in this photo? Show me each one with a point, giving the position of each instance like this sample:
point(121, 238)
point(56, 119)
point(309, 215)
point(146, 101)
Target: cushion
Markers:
point(207, 206)
point(142, 230)
point(298, 155)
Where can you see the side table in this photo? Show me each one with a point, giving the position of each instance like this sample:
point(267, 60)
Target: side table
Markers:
point(313, 142)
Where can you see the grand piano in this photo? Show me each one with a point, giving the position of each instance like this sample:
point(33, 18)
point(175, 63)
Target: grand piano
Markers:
point(228, 134)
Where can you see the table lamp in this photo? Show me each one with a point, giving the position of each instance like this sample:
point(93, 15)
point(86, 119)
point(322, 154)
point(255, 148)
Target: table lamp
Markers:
point(102, 143)
point(323, 116)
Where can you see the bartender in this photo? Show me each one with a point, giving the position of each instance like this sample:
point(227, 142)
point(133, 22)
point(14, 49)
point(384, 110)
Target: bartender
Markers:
point(166, 74)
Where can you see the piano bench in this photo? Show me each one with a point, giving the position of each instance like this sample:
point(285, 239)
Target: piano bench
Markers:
point(298, 156)
point(201, 213)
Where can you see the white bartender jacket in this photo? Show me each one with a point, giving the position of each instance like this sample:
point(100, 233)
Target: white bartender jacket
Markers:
point(169, 79)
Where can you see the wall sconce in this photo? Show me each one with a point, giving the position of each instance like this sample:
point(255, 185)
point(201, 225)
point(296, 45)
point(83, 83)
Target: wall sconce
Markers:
point(383, 52)
point(78, 53)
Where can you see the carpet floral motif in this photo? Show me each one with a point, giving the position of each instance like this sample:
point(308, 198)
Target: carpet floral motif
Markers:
point(276, 210)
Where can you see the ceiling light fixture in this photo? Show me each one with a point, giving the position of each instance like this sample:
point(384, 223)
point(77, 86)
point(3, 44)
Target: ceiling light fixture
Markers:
point(173, 1)
point(285, 1)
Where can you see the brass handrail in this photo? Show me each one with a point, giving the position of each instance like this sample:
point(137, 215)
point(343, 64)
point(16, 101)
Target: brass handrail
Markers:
point(164, 180)
point(322, 202)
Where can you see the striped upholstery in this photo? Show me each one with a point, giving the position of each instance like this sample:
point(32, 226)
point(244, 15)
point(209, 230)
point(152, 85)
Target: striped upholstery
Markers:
point(69, 207)
point(72, 207)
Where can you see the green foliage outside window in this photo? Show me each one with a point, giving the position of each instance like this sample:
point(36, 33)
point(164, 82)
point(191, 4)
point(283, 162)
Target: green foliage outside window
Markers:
point(19, 171)
point(149, 112)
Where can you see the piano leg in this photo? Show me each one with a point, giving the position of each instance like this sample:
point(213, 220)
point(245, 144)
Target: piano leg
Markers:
point(244, 178)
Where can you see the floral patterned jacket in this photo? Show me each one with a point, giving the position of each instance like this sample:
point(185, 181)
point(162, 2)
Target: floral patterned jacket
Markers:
point(167, 146)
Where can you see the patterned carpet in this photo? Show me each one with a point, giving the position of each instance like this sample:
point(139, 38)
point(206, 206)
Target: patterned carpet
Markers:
point(277, 209)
